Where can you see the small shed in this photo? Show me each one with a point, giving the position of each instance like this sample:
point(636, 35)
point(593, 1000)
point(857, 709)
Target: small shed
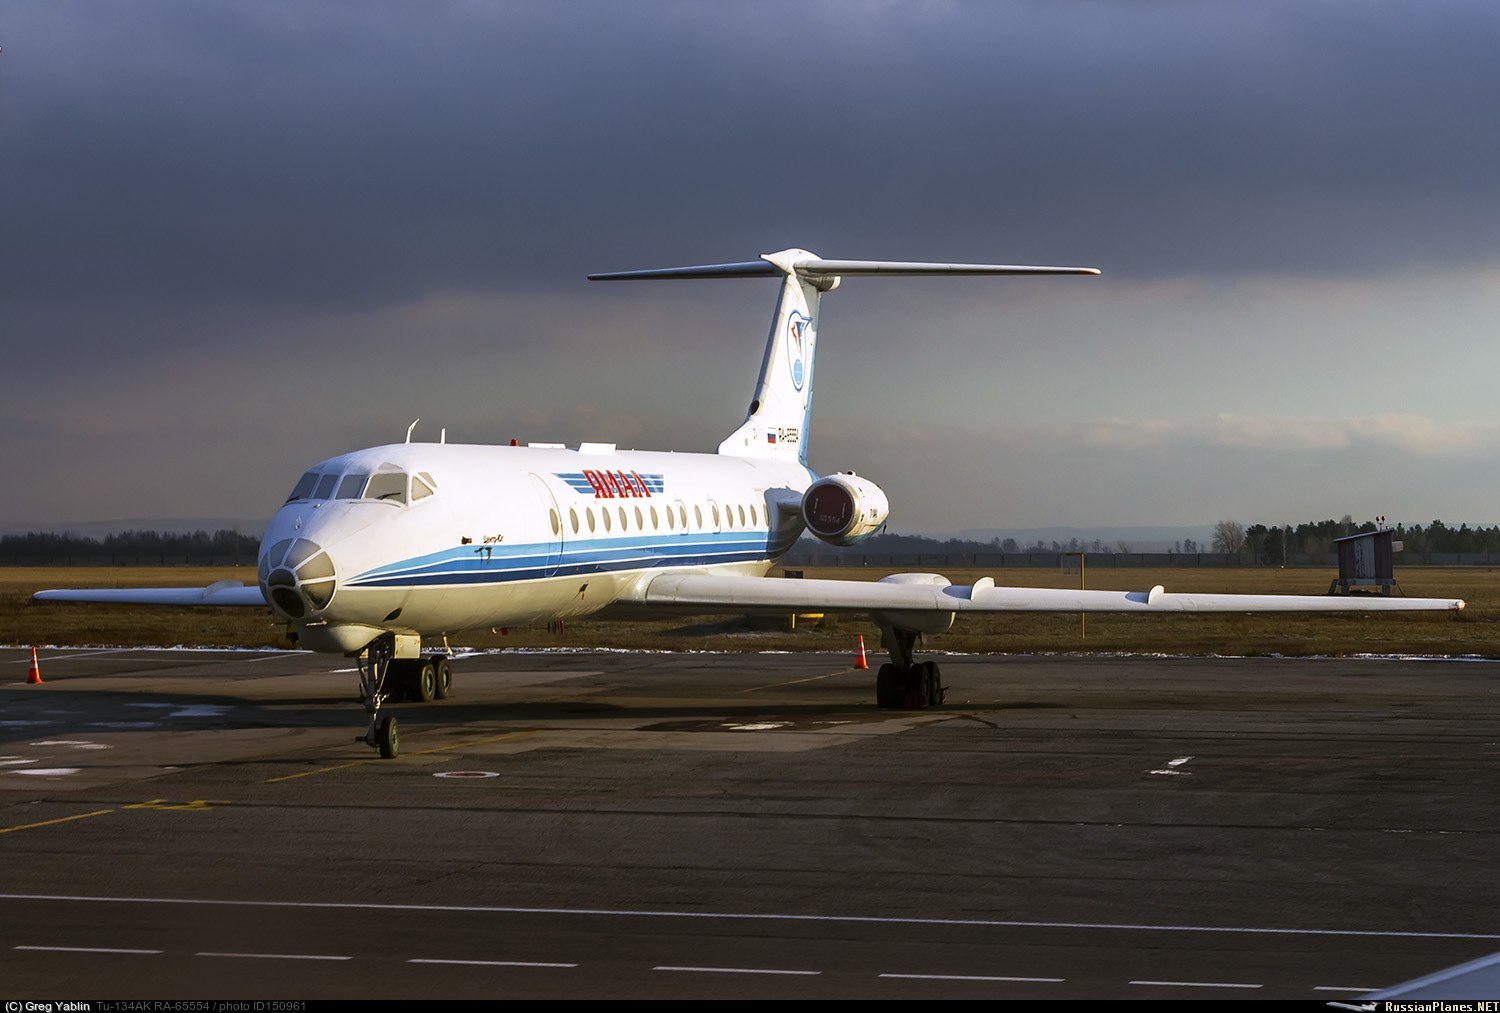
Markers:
point(1366, 560)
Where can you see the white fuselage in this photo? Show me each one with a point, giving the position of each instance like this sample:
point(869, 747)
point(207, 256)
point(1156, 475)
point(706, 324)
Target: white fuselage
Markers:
point(447, 537)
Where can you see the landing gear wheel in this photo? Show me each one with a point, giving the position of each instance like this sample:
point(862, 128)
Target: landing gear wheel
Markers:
point(373, 662)
point(888, 687)
point(402, 681)
point(387, 738)
point(444, 673)
point(930, 681)
point(423, 686)
point(915, 698)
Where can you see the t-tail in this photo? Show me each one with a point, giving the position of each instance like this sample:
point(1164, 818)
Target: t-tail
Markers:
point(780, 409)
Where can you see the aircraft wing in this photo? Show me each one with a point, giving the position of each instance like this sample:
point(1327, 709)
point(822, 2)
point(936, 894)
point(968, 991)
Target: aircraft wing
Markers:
point(225, 593)
point(915, 592)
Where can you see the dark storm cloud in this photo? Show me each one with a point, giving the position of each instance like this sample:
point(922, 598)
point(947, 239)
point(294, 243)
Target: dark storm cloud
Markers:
point(355, 154)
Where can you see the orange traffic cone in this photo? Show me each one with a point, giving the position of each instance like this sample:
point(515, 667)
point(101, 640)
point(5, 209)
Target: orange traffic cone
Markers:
point(34, 675)
point(859, 656)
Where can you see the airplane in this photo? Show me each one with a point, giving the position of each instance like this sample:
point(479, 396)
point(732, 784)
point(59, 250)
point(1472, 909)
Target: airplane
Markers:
point(378, 550)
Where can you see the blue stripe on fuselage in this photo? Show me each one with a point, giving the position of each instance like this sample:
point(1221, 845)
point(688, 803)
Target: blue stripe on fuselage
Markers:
point(482, 564)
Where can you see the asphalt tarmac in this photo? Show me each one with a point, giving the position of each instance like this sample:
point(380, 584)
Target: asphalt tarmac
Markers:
point(198, 824)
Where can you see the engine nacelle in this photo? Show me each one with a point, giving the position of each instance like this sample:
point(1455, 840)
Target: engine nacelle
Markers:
point(844, 509)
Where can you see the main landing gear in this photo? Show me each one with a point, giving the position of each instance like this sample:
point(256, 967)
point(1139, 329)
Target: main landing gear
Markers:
point(385, 678)
point(905, 684)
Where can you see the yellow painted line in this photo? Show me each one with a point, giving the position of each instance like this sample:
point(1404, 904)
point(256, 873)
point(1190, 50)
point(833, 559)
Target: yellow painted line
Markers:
point(48, 823)
point(198, 805)
point(310, 773)
point(475, 742)
point(416, 752)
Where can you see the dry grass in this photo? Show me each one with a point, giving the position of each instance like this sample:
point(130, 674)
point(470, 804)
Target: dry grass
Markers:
point(1473, 632)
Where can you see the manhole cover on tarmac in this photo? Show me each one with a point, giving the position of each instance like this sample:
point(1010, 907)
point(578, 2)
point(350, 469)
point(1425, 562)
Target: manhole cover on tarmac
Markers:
point(467, 773)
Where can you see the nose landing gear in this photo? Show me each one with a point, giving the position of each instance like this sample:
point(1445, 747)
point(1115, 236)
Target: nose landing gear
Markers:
point(384, 678)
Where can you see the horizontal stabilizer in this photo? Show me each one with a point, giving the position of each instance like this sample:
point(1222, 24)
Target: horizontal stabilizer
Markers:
point(747, 269)
point(896, 268)
point(805, 265)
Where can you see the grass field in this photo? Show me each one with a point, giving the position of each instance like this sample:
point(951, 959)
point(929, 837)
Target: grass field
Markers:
point(1476, 631)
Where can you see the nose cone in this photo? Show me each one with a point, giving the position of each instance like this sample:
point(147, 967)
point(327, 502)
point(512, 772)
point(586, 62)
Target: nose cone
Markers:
point(297, 577)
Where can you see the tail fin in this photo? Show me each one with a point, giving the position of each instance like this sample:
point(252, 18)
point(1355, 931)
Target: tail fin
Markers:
point(777, 423)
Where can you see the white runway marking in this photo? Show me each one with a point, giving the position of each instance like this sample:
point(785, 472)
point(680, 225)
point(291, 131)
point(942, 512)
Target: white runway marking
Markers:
point(72, 743)
point(83, 949)
point(1173, 765)
point(733, 970)
point(1340, 988)
point(970, 977)
point(740, 916)
point(274, 956)
point(49, 771)
point(1198, 984)
point(489, 963)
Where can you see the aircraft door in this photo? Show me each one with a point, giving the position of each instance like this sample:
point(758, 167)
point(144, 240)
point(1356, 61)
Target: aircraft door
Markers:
point(552, 531)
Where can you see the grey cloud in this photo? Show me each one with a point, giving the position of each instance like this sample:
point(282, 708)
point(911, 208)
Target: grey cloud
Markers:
point(356, 154)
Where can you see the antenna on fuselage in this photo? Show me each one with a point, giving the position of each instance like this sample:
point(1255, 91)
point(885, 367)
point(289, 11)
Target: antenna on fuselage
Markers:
point(411, 427)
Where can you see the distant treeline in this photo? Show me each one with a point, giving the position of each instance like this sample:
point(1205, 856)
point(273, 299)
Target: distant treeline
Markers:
point(130, 548)
point(1422, 543)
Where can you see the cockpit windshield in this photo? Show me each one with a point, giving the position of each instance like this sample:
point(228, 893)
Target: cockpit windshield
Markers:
point(388, 484)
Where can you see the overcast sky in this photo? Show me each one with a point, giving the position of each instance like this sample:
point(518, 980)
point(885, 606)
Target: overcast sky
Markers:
point(239, 237)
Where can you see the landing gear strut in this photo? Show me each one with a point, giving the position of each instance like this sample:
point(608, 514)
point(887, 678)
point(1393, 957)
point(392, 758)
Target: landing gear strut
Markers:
point(385, 678)
point(374, 665)
point(905, 683)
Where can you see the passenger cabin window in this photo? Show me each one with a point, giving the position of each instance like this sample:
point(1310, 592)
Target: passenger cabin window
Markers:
point(353, 485)
point(304, 487)
point(325, 486)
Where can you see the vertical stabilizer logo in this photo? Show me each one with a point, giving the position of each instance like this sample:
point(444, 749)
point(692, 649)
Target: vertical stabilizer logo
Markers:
point(797, 338)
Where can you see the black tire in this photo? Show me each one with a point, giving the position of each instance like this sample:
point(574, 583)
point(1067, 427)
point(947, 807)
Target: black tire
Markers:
point(444, 672)
point(398, 681)
point(424, 684)
point(388, 738)
point(888, 687)
point(932, 683)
